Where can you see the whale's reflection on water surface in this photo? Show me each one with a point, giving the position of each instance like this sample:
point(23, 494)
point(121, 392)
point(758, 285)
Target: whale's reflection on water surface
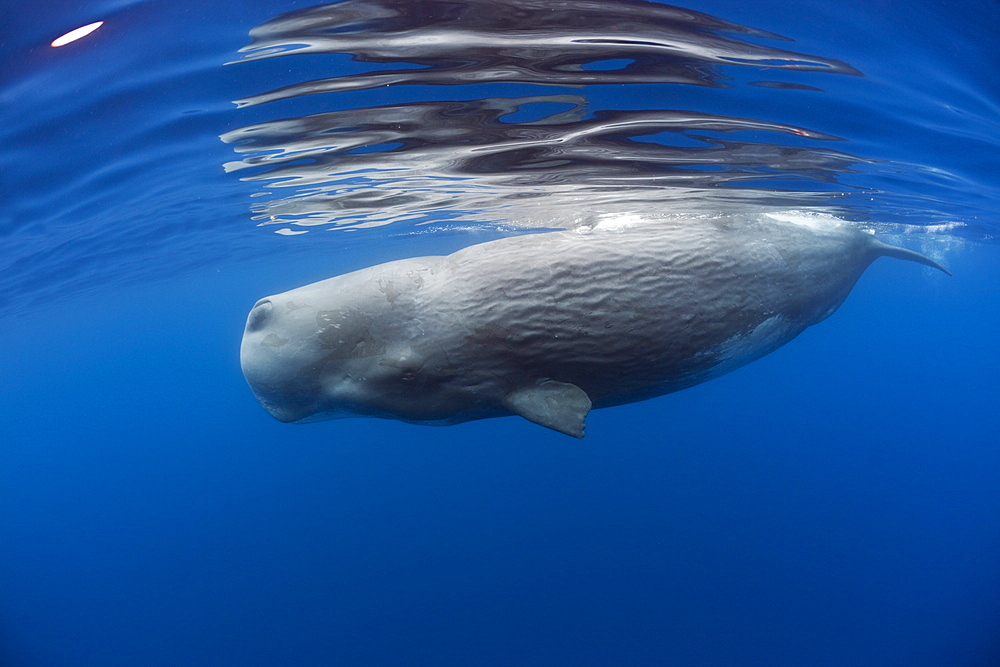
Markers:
point(535, 160)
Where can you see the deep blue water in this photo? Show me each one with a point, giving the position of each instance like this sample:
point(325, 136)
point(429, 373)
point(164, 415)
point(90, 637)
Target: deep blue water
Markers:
point(835, 503)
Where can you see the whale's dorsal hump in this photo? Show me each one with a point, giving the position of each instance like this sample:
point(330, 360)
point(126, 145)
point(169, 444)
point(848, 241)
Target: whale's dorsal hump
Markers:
point(559, 406)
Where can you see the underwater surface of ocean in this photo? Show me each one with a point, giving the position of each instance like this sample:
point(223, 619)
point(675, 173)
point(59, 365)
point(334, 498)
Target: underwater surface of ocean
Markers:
point(834, 503)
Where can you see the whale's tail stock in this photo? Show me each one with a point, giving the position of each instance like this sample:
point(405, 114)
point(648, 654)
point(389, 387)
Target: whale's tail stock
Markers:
point(886, 250)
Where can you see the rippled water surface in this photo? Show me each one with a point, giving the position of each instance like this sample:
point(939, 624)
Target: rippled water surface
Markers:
point(402, 114)
point(833, 504)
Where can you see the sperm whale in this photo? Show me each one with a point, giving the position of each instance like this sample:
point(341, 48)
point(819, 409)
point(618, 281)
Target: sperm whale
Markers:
point(548, 326)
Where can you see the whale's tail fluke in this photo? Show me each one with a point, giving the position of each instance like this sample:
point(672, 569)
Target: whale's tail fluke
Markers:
point(886, 250)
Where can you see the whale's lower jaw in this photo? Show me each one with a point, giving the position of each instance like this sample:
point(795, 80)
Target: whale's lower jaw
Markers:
point(283, 413)
point(451, 420)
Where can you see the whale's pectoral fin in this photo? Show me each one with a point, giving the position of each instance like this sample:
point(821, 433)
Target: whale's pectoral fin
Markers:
point(559, 406)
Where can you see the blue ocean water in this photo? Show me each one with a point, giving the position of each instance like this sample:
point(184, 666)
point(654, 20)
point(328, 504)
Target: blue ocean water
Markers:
point(835, 503)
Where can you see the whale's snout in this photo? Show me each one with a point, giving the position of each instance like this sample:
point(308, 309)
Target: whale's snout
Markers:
point(265, 367)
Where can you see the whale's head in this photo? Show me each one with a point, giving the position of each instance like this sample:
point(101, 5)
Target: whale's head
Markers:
point(353, 345)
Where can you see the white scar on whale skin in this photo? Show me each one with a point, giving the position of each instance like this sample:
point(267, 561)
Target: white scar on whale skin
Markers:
point(765, 338)
point(548, 326)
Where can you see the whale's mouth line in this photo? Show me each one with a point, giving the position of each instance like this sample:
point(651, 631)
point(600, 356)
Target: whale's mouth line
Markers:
point(326, 415)
point(277, 409)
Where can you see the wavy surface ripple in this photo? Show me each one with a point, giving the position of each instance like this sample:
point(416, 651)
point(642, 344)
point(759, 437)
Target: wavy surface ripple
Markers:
point(518, 41)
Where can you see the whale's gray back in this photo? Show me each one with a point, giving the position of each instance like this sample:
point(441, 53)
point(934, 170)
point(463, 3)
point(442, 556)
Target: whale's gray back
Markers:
point(616, 312)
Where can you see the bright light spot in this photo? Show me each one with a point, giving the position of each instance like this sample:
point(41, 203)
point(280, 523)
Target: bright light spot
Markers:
point(814, 220)
point(74, 35)
point(617, 222)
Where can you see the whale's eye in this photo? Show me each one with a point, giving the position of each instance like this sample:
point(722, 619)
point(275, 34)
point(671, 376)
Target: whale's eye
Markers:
point(259, 315)
point(408, 375)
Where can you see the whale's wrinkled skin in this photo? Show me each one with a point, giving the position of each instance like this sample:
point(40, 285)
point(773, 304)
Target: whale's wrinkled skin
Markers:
point(547, 326)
